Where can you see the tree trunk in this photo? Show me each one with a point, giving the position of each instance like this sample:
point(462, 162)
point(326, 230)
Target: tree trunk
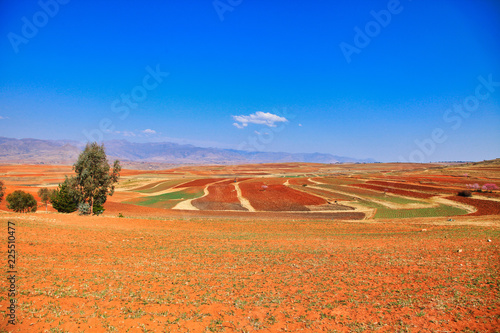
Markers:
point(91, 205)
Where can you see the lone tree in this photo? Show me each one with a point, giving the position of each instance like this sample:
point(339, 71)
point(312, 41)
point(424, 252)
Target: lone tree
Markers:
point(21, 202)
point(2, 189)
point(45, 194)
point(93, 176)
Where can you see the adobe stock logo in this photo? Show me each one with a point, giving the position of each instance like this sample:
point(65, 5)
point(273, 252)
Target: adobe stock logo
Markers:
point(222, 6)
point(455, 116)
point(40, 19)
point(122, 106)
point(373, 28)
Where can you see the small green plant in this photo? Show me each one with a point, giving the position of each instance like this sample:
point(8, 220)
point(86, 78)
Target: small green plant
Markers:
point(120, 215)
point(83, 208)
point(98, 209)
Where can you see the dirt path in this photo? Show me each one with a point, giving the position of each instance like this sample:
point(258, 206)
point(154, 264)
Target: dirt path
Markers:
point(315, 181)
point(244, 202)
point(187, 205)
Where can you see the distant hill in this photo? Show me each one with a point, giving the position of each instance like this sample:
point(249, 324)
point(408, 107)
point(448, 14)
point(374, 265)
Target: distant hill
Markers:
point(66, 152)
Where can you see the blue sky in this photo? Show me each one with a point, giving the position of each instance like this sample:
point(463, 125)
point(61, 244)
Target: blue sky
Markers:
point(277, 66)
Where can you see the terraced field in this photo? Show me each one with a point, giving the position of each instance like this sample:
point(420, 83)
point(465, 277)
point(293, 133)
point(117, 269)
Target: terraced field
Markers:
point(160, 186)
point(221, 196)
point(422, 188)
point(484, 207)
point(331, 196)
point(167, 200)
point(199, 182)
point(264, 196)
point(405, 193)
point(360, 192)
point(388, 213)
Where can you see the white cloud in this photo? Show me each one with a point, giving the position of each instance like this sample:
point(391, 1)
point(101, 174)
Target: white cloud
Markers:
point(300, 125)
point(149, 131)
point(259, 117)
point(1, 118)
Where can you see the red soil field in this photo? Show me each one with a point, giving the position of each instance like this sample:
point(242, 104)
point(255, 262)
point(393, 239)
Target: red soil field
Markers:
point(221, 196)
point(441, 179)
point(100, 274)
point(199, 182)
point(277, 197)
point(413, 187)
point(395, 191)
point(488, 194)
point(332, 196)
point(300, 181)
point(484, 207)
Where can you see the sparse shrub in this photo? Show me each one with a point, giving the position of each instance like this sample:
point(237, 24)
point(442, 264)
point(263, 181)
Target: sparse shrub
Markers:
point(83, 208)
point(466, 194)
point(21, 202)
point(98, 209)
point(120, 215)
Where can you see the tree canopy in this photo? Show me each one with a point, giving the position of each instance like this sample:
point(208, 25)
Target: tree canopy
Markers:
point(66, 198)
point(21, 202)
point(44, 194)
point(93, 177)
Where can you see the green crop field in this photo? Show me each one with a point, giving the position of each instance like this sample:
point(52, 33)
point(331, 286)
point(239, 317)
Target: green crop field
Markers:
point(441, 210)
point(401, 200)
point(166, 200)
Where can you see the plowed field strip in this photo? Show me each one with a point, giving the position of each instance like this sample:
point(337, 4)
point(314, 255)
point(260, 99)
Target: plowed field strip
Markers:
point(277, 197)
point(160, 186)
point(221, 196)
point(200, 182)
point(484, 207)
point(324, 193)
point(412, 187)
point(395, 191)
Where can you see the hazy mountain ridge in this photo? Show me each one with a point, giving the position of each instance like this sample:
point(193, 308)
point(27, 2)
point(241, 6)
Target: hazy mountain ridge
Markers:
point(66, 152)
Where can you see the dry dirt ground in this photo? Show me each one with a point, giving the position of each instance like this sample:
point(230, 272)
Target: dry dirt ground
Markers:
point(164, 270)
point(109, 274)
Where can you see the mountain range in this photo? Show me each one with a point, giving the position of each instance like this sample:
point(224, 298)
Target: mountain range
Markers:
point(67, 151)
